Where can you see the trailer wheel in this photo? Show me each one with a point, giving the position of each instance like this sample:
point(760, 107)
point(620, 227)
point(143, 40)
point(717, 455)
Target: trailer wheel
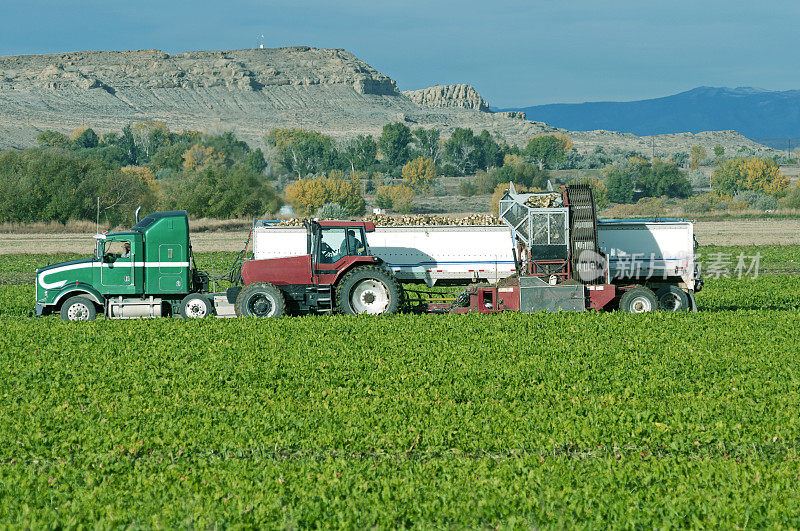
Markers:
point(78, 309)
point(260, 299)
point(672, 299)
point(638, 300)
point(196, 306)
point(370, 290)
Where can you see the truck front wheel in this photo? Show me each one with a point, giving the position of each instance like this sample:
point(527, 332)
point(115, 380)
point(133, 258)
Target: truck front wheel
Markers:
point(369, 290)
point(196, 306)
point(260, 299)
point(78, 309)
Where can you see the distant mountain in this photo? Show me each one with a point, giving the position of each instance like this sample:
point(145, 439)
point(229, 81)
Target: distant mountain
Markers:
point(755, 113)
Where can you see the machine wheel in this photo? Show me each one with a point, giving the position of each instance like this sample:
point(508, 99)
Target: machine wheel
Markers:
point(673, 299)
point(260, 299)
point(368, 289)
point(196, 306)
point(638, 300)
point(78, 309)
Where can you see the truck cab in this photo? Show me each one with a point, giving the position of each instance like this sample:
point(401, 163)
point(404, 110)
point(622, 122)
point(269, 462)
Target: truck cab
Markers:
point(146, 271)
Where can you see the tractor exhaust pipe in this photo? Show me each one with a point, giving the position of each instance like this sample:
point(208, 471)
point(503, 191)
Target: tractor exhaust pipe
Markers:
point(136, 214)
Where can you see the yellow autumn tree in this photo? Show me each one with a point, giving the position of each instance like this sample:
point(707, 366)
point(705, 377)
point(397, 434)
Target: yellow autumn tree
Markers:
point(198, 157)
point(397, 197)
point(749, 173)
point(144, 173)
point(698, 154)
point(142, 134)
point(420, 173)
point(308, 194)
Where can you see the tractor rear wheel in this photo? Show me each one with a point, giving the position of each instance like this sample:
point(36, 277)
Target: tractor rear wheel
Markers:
point(638, 300)
point(673, 299)
point(370, 290)
point(260, 299)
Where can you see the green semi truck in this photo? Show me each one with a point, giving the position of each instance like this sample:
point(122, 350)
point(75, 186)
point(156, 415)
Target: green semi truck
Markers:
point(147, 271)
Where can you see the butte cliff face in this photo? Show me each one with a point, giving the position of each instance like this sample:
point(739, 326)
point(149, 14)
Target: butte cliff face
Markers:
point(250, 92)
point(460, 96)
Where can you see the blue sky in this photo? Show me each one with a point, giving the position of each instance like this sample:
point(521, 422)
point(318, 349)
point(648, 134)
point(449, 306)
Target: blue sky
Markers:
point(516, 53)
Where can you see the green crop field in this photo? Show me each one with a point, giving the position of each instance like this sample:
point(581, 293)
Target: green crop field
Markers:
point(556, 420)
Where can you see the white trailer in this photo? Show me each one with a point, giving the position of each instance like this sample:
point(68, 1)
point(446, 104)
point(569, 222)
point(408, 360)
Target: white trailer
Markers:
point(639, 249)
point(422, 253)
point(649, 249)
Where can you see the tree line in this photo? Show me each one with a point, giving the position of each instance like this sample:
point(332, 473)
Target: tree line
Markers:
point(220, 176)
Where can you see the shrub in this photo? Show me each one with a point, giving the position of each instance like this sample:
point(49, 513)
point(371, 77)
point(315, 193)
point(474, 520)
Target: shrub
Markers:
point(332, 211)
point(698, 179)
point(467, 188)
point(308, 194)
point(398, 197)
point(792, 199)
point(757, 200)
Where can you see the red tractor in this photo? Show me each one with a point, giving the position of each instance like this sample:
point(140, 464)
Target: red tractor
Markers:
point(337, 273)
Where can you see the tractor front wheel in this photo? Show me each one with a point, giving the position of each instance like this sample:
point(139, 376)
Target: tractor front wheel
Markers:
point(370, 290)
point(260, 299)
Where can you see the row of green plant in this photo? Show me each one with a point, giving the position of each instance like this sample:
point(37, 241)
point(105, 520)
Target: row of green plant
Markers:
point(557, 420)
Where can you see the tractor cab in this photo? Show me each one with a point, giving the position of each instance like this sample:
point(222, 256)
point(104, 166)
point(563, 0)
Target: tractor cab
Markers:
point(337, 254)
point(331, 241)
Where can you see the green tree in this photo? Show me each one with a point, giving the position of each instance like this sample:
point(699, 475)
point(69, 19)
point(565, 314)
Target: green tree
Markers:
point(663, 178)
point(53, 139)
point(86, 139)
point(546, 150)
point(619, 184)
point(255, 161)
point(302, 152)
point(719, 152)
point(427, 143)
point(490, 153)
point(394, 142)
point(461, 150)
point(360, 152)
point(220, 192)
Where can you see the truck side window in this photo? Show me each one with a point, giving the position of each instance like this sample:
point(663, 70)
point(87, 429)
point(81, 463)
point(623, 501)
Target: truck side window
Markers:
point(117, 250)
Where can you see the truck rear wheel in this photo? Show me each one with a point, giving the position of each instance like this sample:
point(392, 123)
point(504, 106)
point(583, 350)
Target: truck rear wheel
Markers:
point(673, 299)
point(638, 300)
point(370, 290)
point(78, 309)
point(260, 299)
point(196, 306)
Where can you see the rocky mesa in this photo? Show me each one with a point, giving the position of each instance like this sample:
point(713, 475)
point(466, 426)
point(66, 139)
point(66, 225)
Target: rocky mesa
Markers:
point(252, 91)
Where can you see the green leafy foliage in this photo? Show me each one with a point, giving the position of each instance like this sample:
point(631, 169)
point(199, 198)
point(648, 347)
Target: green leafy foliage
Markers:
point(553, 420)
point(394, 144)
